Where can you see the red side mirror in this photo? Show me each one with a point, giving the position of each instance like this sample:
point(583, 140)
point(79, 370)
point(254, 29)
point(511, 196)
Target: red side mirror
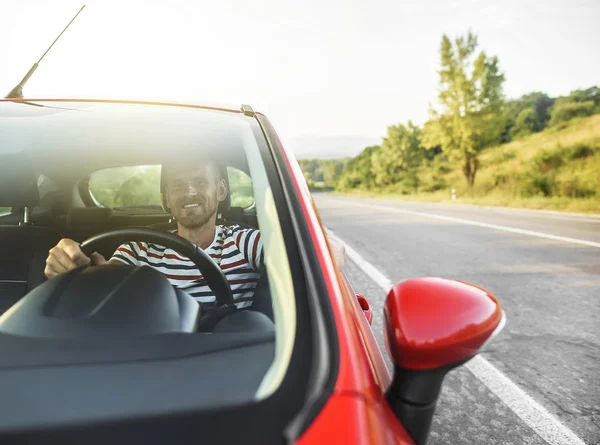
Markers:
point(435, 322)
point(366, 307)
point(432, 326)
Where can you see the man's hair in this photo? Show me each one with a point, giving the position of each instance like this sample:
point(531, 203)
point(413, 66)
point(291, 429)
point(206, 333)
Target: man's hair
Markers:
point(219, 168)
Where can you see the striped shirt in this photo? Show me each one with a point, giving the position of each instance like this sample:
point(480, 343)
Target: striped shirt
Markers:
point(237, 251)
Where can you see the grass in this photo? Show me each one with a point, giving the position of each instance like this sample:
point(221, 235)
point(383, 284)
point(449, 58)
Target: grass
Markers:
point(557, 169)
point(589, 206)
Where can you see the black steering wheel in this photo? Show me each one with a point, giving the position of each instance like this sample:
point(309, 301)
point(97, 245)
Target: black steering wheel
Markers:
point(215, 278)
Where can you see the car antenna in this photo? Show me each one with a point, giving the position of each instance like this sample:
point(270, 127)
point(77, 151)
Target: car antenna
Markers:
point(17, 92)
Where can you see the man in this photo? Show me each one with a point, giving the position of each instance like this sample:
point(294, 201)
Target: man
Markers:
point(192, 194)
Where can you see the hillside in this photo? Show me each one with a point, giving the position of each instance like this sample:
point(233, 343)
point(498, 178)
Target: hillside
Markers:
point(558, 168)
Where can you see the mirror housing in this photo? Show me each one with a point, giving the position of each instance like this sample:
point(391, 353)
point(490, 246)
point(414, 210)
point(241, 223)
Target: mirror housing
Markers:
point(433, 325)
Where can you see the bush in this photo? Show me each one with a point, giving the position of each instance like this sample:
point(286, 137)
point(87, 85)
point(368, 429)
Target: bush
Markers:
point(500, 177)
point(547, 161)
point(565, 111)
point(581, 151)
point(434, 185)
point(508, 155)
point(444, 169)
point(573, 188)
point(538, 184)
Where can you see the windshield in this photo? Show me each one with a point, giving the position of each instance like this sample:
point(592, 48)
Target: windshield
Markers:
point(196, 174)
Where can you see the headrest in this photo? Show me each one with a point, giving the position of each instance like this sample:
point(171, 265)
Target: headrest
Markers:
point(91, 218)
point(235, 214)
point(18, 182)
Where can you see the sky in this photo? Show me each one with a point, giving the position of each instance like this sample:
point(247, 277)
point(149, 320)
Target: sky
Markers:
point(317, 68)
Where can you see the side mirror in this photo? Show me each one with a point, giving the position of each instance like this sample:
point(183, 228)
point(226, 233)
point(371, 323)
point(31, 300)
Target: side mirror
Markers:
point(433, 325)
point(366, 307)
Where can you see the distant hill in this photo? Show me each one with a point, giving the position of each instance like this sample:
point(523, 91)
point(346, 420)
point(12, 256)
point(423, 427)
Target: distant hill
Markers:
point(330, 147)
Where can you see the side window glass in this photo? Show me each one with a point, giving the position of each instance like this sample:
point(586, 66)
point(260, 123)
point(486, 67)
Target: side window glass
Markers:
point(240, 188)
point(126, 187)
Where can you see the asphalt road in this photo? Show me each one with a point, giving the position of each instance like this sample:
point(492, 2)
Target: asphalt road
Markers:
point(548, 284)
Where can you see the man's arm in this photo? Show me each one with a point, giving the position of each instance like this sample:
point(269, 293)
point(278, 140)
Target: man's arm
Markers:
point(126, 253)
point(67, 255)
point(249, 243)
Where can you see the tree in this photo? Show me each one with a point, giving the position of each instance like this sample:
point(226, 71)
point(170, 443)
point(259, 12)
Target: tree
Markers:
point(358, 171)
point(400, 152)
point(471, 104)
point(590, 94)
point(525, 123)
point(528, 114)
point(565, 111)
point(580, 103)
point(138, 190)
point(332, 169)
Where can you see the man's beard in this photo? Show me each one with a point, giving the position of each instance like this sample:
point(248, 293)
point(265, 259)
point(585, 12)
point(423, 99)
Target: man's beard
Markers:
point(202, 214)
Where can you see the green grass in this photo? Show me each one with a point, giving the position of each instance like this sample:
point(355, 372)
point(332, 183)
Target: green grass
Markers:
point(557, 169)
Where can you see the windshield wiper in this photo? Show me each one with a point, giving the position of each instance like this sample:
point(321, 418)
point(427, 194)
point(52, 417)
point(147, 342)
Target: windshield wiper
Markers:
point(17, 91)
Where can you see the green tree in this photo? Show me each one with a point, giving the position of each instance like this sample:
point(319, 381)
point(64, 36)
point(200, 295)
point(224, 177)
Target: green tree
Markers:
point(325, 171)
point(471, 104)
point(312, 169)
point(332, 170)
point(590, 94)
point(520, 120)
point(565, 111)
point(358, 171)
point(526, 123)
point(137, 190)
point(579, 103)
point(400, 152)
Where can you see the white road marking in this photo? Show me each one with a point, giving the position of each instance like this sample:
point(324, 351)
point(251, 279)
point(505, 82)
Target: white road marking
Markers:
point(527, 409)
point(536, 213)
point(546, 214)
point(481, 224)
point(532, 413)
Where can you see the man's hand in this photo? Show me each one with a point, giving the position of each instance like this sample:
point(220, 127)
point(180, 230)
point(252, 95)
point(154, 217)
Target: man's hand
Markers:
point(66, 256)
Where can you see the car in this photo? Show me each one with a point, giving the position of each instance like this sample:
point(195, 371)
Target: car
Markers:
point(116, 354)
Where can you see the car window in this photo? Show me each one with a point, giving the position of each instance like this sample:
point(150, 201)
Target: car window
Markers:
point(110, 155)
point(130, 186)
point(139, 186)
point(240, 188)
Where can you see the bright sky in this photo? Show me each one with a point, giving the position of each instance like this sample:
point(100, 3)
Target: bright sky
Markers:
point(315, 67)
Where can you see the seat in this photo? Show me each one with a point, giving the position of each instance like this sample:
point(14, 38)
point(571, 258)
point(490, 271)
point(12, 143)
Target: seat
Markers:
point(23, 254)
point(261, 301)
point(23, 246)
point(87, 221)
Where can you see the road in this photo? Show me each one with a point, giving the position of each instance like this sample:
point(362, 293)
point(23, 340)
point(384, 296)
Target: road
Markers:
point(544, 268)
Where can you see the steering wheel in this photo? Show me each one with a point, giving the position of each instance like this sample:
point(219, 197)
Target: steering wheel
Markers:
point(215, 278)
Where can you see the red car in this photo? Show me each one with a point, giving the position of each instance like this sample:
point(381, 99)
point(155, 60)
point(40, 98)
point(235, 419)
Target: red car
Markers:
point(117, 354)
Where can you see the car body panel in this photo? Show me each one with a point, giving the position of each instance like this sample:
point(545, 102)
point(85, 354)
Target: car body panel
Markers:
point(379, 367)
point(357, 405)
point(351, 419)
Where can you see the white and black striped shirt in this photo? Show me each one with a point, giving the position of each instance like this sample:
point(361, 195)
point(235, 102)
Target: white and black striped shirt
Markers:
point(237, 251)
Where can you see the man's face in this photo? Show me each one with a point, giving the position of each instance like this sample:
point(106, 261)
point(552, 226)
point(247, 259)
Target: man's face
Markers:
point(193, 193)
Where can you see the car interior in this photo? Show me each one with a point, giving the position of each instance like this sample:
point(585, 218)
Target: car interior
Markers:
point(27, 242)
